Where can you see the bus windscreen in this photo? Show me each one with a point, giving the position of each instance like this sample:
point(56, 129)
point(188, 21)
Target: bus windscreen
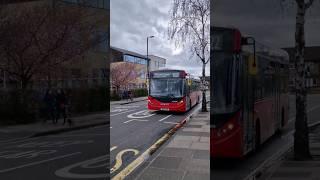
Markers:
point(171, 87)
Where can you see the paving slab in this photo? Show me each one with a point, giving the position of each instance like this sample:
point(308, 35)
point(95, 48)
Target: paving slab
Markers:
point(161, 174)
point(185, 156)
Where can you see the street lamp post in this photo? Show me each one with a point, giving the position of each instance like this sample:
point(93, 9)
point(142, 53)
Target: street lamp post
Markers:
point(148, 61)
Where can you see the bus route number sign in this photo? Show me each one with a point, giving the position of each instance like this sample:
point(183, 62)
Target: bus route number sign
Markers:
point(165, 74)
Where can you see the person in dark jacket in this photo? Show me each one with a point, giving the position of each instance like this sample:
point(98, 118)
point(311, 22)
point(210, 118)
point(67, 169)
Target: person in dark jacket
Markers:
point(130, 95)
point(61, 103)
point(125, 94)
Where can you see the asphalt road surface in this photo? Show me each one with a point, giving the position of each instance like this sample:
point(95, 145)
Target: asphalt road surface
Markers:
point(239, 169)
point(134, 129)
point(78, 154)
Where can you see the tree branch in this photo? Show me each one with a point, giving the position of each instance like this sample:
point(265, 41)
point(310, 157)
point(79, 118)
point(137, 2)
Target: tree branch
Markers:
point(309, 4)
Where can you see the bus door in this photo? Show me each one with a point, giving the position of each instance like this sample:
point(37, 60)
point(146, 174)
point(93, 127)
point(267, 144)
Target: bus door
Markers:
point(276, 90)
point(188, 93)
point(248, 103)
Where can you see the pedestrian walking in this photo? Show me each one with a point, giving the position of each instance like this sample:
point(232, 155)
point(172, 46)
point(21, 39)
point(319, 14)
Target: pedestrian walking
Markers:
point(49, 101)
point(125, 94)
point(67, 108)
point(130, 95)
point(60, 105)
point(121, 92)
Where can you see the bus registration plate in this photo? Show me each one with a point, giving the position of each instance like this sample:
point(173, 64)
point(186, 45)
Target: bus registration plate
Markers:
point(164, 109)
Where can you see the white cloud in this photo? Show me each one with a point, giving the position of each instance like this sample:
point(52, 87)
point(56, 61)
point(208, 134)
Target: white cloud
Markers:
point(131, 23)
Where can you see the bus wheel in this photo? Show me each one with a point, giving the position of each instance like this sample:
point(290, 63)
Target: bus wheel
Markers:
point(257, 136)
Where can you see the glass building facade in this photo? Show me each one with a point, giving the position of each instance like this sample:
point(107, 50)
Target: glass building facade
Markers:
point(134, 59)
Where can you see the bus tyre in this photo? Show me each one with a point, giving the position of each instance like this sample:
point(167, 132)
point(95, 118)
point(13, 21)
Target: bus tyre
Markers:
point(257, 136)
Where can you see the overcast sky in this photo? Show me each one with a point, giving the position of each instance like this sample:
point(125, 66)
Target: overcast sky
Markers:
point(133, 20)
point(266, 20)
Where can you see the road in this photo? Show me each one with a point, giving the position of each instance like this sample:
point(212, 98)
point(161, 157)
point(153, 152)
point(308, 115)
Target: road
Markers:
point(78, 154)
point(134, 130)
point(239, 169)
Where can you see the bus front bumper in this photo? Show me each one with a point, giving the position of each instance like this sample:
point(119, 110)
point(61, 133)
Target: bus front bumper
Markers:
point(155, 105)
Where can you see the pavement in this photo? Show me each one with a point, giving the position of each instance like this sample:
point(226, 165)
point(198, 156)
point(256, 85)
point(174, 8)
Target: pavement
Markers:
point(287, 168)
point(185, 156)
point(12, 133)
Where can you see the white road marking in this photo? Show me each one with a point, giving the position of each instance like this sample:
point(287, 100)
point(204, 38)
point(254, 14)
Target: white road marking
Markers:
point(25, 154)
point(118, 110)
point(170, 122)
point(140, 114)
point(18, 141)
point(113, 148)
point(121, 113)
point(165, 117)
point(118, 159)
point(91, 163)
point(141, 120)
point(12, 140)
point(38, 162)
point(126, 106)
point(79, 135)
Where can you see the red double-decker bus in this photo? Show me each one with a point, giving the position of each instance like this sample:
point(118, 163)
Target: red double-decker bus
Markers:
point(249, 93)
point(173, 90)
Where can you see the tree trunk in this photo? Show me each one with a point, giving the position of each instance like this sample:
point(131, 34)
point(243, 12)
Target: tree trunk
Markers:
point(204, 100)
point(301, 135)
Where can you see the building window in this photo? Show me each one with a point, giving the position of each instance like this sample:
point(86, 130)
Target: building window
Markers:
point(101, 4)
point(134, 59)
point(128, 58)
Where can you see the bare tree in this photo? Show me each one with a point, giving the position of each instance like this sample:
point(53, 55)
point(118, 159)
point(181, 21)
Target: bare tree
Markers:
point(39, 38)
point(122, 74)
point(301, 135)
point(190, 23)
